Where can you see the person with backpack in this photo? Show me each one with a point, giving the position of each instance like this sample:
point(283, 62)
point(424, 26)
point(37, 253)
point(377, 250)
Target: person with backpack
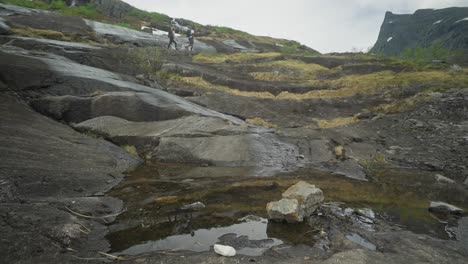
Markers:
point(171, 36)
point(190, 36)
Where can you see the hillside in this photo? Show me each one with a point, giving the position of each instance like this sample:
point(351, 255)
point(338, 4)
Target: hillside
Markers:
point(115, 148)
point(425, 29)
point(122, 14)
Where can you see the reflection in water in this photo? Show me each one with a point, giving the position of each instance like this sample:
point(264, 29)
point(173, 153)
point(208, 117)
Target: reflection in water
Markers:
point(155, 193)
point(201, 240)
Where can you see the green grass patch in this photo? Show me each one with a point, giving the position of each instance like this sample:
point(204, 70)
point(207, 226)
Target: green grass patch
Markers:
point(131, 150)
point(41, 33)
point(27, 3)
point(213, 58)
point(283, 71)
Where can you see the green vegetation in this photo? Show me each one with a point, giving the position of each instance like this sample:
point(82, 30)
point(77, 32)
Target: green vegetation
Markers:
point(288, 70)
point(379, 83)
point(212, 58)
point(425, 55)
point(375, 166)
point(146, 61)
point(51, 34)
point(30, 4)
point(127, 25)
point(157, 19)
point(40, 33)
point(131, 150)
point(134, 18)
point(336, 122)
point(87, 11)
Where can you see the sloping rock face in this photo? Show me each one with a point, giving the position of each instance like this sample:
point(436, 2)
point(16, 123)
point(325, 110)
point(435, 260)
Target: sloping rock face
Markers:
point(423, 29)
point(45, 168)
point(87, 29)
point(4, 28)
point(208, 137)
point(50, 173)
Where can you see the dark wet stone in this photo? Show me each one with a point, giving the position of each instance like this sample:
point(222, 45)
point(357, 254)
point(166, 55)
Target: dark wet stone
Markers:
point(442, 207)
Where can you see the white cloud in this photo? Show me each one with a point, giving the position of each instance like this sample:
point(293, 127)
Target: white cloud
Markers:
point(332, 25)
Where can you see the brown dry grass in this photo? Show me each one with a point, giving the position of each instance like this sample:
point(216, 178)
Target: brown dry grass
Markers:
point(260, 122)
point(213, 58)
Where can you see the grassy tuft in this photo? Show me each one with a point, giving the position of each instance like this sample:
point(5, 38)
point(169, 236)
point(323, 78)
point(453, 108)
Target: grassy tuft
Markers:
point(289, 70)
point(214, 58)
point(374, 166)
point(41, 33)
point(200, 82)
point(402, 105)
point(131, 150)
point(270, 76)
point(336, 122)
point(260, 122)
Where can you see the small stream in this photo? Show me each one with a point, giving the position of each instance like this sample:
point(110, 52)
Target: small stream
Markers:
point(235, 200)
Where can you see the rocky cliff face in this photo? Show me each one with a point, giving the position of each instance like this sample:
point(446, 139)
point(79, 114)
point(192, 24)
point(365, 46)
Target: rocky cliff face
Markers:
point(422, 29)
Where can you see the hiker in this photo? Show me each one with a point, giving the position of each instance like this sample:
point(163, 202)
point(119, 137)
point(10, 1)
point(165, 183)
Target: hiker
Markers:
point(190, 34)
point(171, 36)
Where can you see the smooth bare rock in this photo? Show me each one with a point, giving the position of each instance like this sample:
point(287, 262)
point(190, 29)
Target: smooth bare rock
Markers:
point(285, 209)
point(308, 196)
point(194, 206)
point(123, 35)
point(263, 151)
point(4, 28)
point(46, 166)
point(442, 207)
point(462, 235)
point(225, 251)
point(442, 179)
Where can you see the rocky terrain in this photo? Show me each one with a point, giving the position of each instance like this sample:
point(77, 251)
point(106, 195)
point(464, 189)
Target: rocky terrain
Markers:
point(423, 29)
point(84, 103)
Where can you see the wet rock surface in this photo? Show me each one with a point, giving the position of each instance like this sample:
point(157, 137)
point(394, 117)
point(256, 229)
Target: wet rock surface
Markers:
point(45, 168)
point(441, 207)
point(62, 125)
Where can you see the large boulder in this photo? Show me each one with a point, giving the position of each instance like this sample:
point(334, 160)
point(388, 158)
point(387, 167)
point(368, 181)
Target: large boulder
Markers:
point(299, 202)
point(308, 196)
point(285, 209)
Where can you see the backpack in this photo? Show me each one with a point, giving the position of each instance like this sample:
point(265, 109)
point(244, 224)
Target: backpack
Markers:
point(189, 33)
point(170, 34)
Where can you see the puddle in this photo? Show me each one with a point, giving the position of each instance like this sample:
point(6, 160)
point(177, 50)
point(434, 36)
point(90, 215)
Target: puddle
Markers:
point(154, 195)
point(249, 237)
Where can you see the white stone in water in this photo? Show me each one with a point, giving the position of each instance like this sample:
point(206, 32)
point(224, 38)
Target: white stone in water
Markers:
point(226, 251)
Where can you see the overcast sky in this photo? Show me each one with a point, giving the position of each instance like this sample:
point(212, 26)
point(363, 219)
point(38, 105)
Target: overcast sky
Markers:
point(325, 25)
